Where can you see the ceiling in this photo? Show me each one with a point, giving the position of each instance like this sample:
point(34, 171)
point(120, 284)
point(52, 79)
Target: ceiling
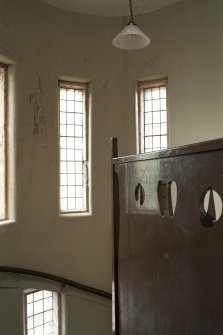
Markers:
point(110, 7)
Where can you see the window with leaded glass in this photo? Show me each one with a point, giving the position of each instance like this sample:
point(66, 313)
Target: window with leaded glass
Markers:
point(3, 184)
point(153, 117)
point(73, 129)
point(41, 313)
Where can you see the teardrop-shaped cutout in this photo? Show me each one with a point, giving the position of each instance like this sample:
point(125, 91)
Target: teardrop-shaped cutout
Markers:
point(167, 197)
point(140, 194)
point(173, 187)
point(211, 207)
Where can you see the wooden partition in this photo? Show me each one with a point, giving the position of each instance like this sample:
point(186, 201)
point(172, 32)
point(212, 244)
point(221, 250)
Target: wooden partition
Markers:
point(168, 241)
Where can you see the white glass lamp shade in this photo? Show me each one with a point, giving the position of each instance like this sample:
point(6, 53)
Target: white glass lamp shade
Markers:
point(131, 37)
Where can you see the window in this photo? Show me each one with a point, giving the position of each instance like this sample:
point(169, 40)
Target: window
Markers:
point(41, 313)
point(73, 147)
point(152, 132)
point(3, 211)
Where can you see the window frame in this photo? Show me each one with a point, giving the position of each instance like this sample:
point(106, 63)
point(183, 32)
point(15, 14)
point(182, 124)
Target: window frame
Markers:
point(56, 299)
point(141, 86)
point(86, 156)
point(4, 67)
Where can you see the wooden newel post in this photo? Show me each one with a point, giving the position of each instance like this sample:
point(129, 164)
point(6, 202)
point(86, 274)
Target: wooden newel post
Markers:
point(115, 219)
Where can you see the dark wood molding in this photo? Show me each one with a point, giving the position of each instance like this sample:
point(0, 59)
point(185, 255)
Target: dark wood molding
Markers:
point(58, 279)
point(189, 149)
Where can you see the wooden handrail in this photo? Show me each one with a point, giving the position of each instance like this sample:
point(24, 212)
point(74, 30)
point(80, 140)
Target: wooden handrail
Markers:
point(57, 279)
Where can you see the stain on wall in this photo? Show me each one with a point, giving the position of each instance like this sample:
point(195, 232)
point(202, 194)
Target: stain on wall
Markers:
point(36, 101)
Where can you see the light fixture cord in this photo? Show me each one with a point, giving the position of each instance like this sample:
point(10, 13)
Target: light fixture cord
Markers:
point(131, 19)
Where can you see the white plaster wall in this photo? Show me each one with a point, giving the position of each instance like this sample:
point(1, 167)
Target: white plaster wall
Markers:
point(46, 43)
point(185, 46)
point(85, 314)
point(11, 311)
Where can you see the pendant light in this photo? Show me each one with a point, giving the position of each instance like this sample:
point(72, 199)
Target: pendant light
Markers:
point(131, 37)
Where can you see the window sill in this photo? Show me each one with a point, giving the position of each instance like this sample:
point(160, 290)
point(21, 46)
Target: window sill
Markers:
point(6, 222)
point(72, 215)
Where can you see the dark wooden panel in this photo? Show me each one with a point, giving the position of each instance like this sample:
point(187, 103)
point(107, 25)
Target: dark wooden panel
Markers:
point(170, 278)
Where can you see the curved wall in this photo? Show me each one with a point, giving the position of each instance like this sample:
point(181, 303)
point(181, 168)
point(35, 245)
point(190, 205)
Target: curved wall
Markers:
point(45, 44)
point(79, 311)
point(186, 47)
